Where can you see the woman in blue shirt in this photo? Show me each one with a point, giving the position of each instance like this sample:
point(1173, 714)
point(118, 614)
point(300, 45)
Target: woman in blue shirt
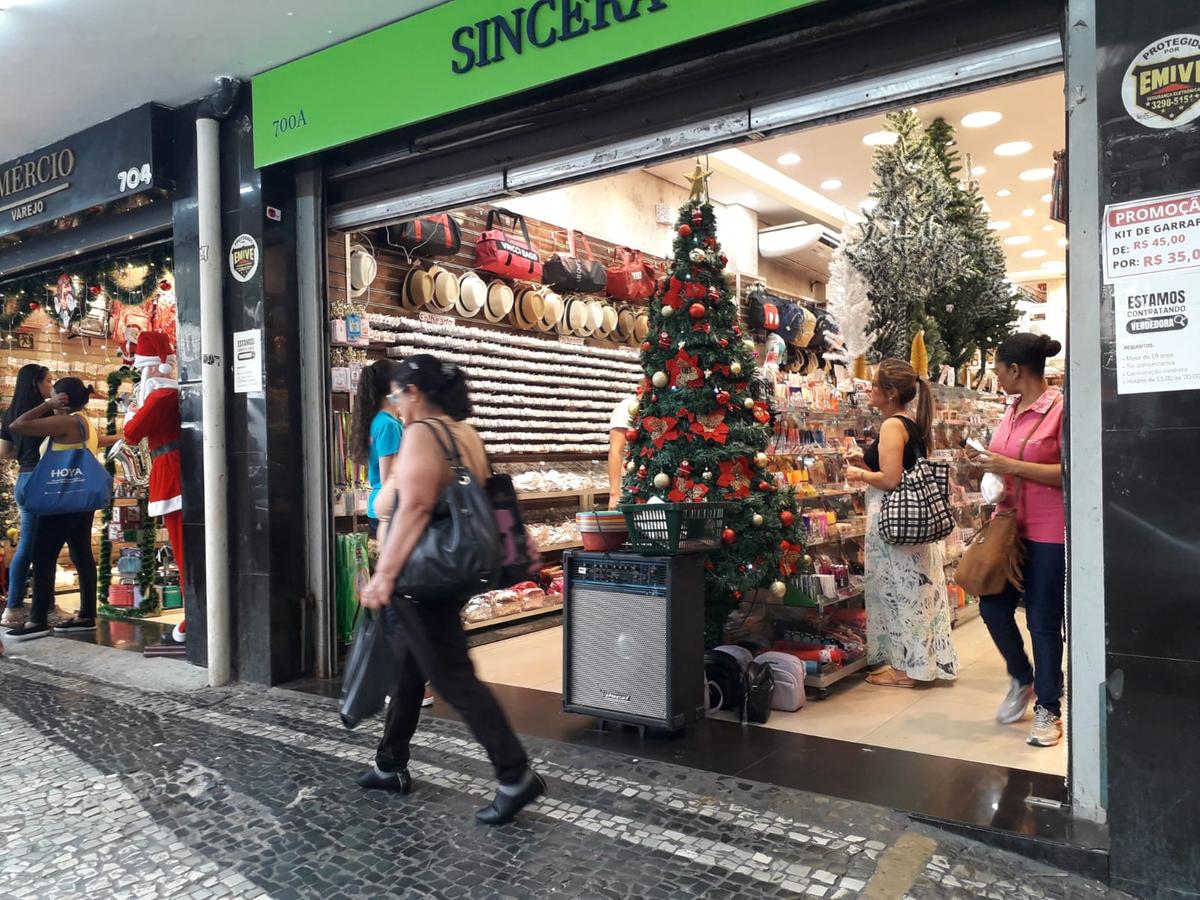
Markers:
point(376, 433)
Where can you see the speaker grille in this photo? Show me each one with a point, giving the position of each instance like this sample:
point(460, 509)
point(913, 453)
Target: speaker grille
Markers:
point(618, 651)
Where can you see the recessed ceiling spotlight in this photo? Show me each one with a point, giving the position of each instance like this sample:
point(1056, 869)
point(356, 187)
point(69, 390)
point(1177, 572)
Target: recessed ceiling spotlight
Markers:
point(1013, 148)
point(789, 159)
point(980, 119)
point(1054, 265)
point(869, 204)
point(979, 170)
point(830, 184)
point(1047, 228)
point(1017, 239)
point(880, 138)
point(1034, 254)
point(1047, 198)
point(1036, 174)
point(1028, 213)
point(1004, 192)
point(1062, 242)
point(999, 226)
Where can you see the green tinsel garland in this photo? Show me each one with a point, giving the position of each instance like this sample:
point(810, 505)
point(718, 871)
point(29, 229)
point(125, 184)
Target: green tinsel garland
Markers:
point(150, 604)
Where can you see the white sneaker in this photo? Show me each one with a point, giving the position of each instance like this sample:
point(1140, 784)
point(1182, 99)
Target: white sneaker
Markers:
point(1047, 728)
point(1015, 704)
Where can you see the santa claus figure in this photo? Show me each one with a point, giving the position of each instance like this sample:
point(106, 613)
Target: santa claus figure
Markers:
point(154, 416)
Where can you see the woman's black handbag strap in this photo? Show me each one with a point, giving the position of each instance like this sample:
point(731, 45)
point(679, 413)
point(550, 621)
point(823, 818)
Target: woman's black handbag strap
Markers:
point(454, 460)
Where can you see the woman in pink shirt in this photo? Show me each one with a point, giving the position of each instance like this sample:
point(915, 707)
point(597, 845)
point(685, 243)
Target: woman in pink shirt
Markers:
point(1027, 450)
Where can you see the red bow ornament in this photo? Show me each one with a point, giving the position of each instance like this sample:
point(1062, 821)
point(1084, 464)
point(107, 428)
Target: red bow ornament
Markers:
point(712, 427)
point(685, 370)
point(659, 430)
point(687, 491)
point(735, 478)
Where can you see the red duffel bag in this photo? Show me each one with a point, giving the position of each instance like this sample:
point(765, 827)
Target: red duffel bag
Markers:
point(631, 278)
point(503, 253)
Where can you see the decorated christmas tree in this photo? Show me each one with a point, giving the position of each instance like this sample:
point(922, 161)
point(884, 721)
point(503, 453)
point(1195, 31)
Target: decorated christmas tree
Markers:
point(977, 309)
point(908, 248)
point(703, 421)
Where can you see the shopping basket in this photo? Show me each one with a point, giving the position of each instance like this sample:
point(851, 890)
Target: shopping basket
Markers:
point(665, 529)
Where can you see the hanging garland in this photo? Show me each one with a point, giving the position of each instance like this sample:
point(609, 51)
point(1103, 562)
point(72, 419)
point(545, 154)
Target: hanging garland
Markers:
point(150, 604)
point(132, 279)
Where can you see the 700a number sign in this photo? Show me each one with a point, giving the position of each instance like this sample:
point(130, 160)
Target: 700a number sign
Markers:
point(284, 124)
point(135, 178)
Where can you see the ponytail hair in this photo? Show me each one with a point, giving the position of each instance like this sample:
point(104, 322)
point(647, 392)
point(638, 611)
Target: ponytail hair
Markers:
point(897, 375)
point(443, 384)
point(77, 392)
point(1030, 351)
point(373, 387)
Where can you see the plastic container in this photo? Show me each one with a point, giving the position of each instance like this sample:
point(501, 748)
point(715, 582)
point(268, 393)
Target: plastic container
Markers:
point(602, 530)
point(665, 529)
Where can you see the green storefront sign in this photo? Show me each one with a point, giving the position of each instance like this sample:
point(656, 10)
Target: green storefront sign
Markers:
point(466, 52)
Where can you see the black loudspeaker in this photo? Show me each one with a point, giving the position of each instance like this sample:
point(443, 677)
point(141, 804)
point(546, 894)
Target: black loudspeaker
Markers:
point(633, 638)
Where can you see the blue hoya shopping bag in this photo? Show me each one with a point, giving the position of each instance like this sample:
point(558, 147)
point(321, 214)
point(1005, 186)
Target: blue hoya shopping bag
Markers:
point(67, 481)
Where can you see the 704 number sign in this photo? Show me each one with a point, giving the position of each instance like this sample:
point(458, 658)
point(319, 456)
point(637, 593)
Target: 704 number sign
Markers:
point(136, 177)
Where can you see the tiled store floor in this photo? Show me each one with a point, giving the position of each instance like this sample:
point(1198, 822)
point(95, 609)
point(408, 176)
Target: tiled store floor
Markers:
point(949, 719)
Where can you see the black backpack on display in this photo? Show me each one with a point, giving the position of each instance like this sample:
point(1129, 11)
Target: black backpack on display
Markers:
point(764, 310)
point(760, 693)
point(723, 675)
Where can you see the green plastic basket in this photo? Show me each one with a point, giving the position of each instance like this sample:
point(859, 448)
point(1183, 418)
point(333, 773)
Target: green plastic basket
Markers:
point(666, 529)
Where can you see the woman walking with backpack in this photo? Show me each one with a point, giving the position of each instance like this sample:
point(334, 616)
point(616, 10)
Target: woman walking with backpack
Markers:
point(439, 447)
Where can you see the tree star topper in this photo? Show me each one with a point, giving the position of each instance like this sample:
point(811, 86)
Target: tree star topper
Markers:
point(699, 181)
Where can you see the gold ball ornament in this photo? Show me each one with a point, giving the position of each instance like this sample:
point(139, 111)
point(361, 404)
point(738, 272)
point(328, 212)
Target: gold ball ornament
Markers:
point(633, 409)
point(749, 345)
point(662, 480)
point(13, 534)
point(761, 460)
point(735, 367)
point(660, 379)
point(748, 403)
point(778, 588)
point(629, 466)
point(758, 519)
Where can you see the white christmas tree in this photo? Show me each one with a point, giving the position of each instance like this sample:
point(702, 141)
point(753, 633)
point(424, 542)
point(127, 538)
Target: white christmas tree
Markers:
point(850, 303)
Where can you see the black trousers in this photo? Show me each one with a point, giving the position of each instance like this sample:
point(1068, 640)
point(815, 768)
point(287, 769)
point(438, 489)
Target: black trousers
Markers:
point(435, 650)
point(74, 530)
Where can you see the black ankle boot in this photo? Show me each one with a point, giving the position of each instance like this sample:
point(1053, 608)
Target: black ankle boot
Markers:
point(506, 806)
point(377, 779)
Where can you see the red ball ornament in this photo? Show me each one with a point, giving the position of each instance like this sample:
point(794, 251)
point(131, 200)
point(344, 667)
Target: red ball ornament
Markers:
point(764, 486)
point(729, 535)
point(737, 595)
point(685, 230)
point(787, 517)
point(723, 343)
point(697, 311)
point(654, 398)
point(631, 435)
point(698, 216)
point(164, 285)
point(724, 260)
point(723, 398)
point(785, 545)
point(737, 331)
point(742, 570)
point(714, 295)
point(645, 346)
point(711, 243)
point(35, 306)
point(95, 290)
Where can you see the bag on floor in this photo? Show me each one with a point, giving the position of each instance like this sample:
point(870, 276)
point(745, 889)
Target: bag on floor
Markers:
point(372, 666)
point(788, 673)
point(760, 694)
point(918, 510)
point(458, 555)
point(68, 481)
point(724, 676)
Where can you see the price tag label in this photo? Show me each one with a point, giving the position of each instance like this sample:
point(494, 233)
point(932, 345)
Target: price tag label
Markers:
point(1152, 236)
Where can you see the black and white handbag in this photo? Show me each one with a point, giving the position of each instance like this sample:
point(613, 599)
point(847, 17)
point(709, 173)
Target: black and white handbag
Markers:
point(918, 510)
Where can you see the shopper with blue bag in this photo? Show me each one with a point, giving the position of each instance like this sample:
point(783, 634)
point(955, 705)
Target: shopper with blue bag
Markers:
point(64, 492)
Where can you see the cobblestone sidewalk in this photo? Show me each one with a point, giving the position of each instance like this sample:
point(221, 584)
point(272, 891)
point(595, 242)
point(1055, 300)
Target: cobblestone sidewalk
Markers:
point(116, 792)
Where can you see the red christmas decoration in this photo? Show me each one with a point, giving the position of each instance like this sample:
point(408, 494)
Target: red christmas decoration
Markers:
point(723, 343)
point(697, 310)
point(659, 430)
point(787, 517)
point(724, 260)
point(35, 306)
point(631, 435)
point(712, 427)
point(698, 216)
point(685, 370)
point(695, 290)
point(642, 471)
point(764, 486)
point(673, 295)
point(714, 295)
point(164, 285)
point(735, 478)
point(742, 569)
point(685, 467)
point(723, 398)
point(762, 415)
point(645, 346)
point(703, 327)
point(95, 290)
point(685, 230)
point(729, 535)
point(664, 341)
point(687, 491)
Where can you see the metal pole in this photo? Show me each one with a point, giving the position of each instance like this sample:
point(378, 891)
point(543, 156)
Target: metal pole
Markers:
point(212, 353)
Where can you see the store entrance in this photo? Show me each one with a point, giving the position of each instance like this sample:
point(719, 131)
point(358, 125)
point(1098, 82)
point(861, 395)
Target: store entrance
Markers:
point(549, 371)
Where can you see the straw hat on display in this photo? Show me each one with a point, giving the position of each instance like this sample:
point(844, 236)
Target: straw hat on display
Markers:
point(528, 308)
point(641, 327)
point(595, 312)
point(472, 293)
point(363, 270)
point(608, 320)
point(445, 290)
point(574, 318)
point(626, 322)
point(552, 310)
point(417, 290)
point(499, 301)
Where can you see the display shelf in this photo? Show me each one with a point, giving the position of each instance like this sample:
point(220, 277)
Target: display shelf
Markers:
point(584, 494)
point(126, 501)
point(837, 492)
point(836, 539)
point(558, 548)
point(823, 681)
point(514, 617)
point(965, 614)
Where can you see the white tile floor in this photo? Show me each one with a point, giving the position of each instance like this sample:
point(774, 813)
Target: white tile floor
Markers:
point(953, 719)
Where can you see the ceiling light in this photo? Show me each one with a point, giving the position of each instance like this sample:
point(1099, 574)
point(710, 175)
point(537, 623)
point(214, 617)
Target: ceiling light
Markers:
point(979, 170)
point(1046, 198)
point(1062, 242)
point(1036, 174)
point(1028, 213)
point(1017, 239)
point(999, 226)
point(789, 159)
point(831, 184)
point(1054, 265)
point(980, 119)
point(880, 138)
point(1005, 192)
point(1013, 148)
point(1033, 254)
point(868, 204)
point(1047, 228)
